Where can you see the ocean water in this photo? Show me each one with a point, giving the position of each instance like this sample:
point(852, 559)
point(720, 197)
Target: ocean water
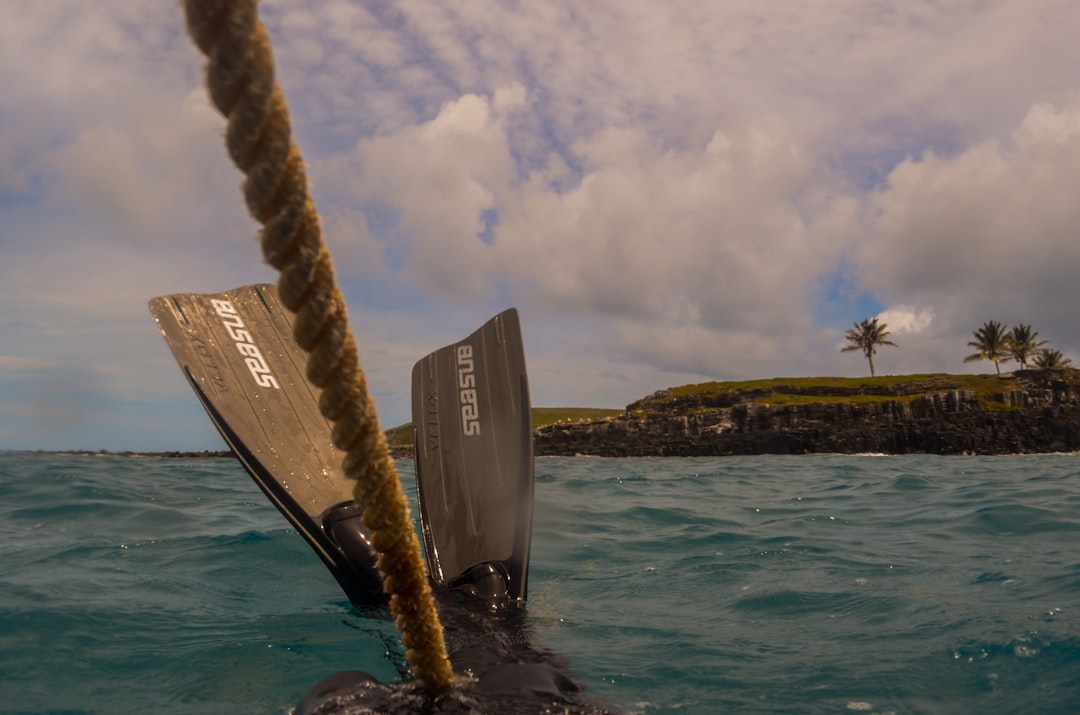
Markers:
point(812, 584)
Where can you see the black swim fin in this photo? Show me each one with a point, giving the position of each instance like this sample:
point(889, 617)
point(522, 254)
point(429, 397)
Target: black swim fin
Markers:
point(237, 351)
point(474, 461)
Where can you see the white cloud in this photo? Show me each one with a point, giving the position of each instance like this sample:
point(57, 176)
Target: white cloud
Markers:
point(903, 319)
point(989, 233)
point(694, 234)
point(865, 77)
point(164, 159)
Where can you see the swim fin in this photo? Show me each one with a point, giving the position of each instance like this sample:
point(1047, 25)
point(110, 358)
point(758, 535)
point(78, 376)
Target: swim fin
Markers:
point(474, 461)
point(237, 351)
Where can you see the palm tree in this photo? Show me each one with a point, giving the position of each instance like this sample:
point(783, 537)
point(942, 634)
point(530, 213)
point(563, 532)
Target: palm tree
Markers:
point(1047, 359)
point(1022, 344)
point(866, 336)
point(992, 343)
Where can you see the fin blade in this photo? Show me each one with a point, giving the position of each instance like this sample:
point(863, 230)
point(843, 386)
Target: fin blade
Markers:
point(474, 454)
point(237, 352)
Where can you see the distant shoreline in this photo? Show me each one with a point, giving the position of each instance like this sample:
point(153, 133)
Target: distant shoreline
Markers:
point(167, 454)
point(170, 454)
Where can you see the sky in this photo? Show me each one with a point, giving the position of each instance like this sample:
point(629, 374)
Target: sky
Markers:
point(669, 193)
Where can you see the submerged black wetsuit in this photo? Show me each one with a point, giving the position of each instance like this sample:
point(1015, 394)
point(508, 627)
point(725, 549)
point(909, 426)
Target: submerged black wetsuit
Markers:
point(504, 670)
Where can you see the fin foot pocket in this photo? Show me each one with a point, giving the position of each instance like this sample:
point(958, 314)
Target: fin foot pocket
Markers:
point(344, 525)
point(488, 581)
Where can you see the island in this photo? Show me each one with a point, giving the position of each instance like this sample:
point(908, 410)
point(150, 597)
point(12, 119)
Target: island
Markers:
point(1026, 411)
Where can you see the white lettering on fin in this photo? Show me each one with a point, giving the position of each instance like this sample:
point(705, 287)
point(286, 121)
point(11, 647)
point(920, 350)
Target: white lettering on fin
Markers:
point(253, 357)
point(470, 410)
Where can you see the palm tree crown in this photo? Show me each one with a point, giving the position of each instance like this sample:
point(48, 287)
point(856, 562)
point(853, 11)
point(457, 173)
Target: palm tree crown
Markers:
point(1022, 343)
point(1048, 359)
point(866, 336)
point(992, 343)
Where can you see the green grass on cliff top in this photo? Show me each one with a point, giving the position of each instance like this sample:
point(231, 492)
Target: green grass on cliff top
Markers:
point(790, 390)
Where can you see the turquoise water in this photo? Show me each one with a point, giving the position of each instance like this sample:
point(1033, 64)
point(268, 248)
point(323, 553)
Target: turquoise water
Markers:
point(814, 584)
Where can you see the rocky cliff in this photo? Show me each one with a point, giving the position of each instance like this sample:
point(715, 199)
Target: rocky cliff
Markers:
point(1027, 411)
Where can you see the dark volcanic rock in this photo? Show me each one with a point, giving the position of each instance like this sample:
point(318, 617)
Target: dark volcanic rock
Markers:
point(1044, 417)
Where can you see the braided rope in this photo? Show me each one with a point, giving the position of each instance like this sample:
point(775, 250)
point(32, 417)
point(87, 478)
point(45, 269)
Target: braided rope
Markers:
point(240, 81)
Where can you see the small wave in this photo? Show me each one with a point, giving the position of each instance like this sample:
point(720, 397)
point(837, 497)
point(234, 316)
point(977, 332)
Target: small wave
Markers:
point(1064, 650)
point(912, 482)
point(858, 604)
point(992, 577)
point(1020, 520)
